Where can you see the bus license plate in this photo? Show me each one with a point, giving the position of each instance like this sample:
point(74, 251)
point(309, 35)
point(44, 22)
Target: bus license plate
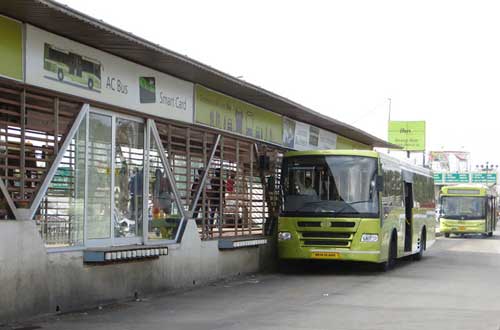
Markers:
point(325, 255)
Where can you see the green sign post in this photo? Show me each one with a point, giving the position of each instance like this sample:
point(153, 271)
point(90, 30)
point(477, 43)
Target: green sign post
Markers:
point(484, 177)
point(408, 134)
point(438, 177)
point(478, 177)
point(456, 178)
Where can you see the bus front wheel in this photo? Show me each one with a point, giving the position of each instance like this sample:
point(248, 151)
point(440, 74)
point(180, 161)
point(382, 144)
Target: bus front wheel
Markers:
point(421, 250)
point(490, 234)
point(60, 74)
point(90, 83)
point(446, 234)
point(391, 257)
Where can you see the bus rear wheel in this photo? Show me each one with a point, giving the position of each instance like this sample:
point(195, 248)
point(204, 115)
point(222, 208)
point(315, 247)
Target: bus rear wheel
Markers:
point(90, 83)
point(490, 234)
point(446, 234)
point(60, 74)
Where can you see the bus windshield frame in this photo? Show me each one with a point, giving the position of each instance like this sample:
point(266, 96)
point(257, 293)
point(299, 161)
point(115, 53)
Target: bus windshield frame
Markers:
point(330, 186)
point(456, 210)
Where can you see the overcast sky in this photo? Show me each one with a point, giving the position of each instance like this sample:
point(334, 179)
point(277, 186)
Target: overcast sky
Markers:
point(438, 61)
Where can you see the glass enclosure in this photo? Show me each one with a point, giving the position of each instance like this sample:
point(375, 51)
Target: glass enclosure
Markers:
point(463, 208)
point(330, 185)
point(96, 197)
point(129, 177)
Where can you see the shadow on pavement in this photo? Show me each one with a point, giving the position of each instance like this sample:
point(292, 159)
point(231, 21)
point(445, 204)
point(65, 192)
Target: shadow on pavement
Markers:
point(340, 268)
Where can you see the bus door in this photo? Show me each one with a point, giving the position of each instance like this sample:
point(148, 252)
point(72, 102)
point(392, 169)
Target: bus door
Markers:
point(408, 190)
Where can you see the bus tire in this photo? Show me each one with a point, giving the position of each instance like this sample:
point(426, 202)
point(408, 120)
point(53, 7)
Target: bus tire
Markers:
point(490, 234)
point(391, 257)
point(423, 241)
point(446, 234)
point(60, 74)
point(90, 83)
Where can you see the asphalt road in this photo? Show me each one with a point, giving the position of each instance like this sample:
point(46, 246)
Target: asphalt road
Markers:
point(455, 286)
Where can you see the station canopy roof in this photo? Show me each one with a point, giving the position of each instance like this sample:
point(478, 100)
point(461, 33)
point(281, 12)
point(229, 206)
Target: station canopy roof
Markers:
point(65, 21)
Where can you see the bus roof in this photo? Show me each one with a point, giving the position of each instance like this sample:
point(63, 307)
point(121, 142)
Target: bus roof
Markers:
point(338, 152)
point(467, 190)
point(363, 153)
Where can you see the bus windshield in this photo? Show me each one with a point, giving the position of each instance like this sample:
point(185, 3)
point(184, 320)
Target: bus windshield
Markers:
point(337, 186)
point(463, 208)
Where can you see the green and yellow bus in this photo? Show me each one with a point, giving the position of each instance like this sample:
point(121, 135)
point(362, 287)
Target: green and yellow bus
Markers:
point(468, 209)
point(354, 205)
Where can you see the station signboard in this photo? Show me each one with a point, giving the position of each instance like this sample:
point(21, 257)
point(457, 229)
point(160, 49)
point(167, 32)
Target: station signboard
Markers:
point(64, 65)
point(226, 113)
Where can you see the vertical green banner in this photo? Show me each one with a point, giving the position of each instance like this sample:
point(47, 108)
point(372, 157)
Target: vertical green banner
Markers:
point(11, 48)
point(229, 114)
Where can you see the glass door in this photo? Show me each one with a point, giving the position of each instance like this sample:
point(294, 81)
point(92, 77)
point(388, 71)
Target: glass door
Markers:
point(115, 176)
point(128, 181)
point(99, 170)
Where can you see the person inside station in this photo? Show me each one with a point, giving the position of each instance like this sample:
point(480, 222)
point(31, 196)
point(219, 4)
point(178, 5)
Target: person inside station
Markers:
point(194, 190)
point(215, 195)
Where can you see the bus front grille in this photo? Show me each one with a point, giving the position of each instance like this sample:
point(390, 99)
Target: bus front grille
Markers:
point(343, 224)
point(325, 234)
point(309, 224)
point(323, 242)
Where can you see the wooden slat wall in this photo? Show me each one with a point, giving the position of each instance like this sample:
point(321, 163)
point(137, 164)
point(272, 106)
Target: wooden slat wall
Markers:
point(241, 212)
point(31, 126)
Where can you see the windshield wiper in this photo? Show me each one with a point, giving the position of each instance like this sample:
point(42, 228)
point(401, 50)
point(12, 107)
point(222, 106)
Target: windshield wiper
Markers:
point(352, 203)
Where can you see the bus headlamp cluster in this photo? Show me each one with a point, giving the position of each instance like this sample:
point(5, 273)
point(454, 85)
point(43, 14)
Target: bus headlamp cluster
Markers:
point(284, 236)
point(369, 238)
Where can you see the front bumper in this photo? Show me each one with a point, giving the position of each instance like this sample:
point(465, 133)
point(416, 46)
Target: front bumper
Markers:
point(451, 226)
point(300, 246)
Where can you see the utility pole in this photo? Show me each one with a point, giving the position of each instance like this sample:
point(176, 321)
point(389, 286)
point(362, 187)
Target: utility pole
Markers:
point(388, 122)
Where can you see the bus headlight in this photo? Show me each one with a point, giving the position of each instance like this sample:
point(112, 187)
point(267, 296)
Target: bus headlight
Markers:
point(369, 238)
point(284, 236)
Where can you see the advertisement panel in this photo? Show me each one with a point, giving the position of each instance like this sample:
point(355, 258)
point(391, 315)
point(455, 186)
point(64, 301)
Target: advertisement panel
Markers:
point(288, 132)
point(327, 140)
point(300, 136)
point(11, 48)
point(449, 161)
point(408, 134)
point(229, 114)
point(64, 65)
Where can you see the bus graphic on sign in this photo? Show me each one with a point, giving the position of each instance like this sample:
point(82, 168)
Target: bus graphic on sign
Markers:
point(72, 68)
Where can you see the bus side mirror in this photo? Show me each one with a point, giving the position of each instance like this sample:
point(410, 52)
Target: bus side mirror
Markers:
point(379, 183)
